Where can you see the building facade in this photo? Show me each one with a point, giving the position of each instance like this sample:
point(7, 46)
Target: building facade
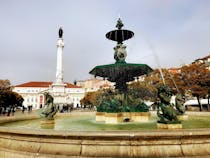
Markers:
point(94, 84)
point(33, 93)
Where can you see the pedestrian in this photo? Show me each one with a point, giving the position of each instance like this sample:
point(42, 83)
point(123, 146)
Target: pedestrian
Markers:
point(23, 109)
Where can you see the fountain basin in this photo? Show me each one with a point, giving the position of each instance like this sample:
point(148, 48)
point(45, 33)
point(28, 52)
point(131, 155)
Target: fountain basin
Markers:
point(120, 70)
point(140, 116)
point(45, 143)
point(169, 126)
point(114, 118)
point(100, 116)
point(182, 117)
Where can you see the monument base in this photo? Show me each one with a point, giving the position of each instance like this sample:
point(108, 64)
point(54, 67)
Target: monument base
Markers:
point(169, 126)
point(47, 124)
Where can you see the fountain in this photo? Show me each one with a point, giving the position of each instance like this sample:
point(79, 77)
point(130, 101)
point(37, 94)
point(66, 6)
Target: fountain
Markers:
point(22, 137)
point(117, 109)
point(120, 72)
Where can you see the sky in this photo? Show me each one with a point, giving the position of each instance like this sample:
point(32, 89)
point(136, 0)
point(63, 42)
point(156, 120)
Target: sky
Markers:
point(168, 33)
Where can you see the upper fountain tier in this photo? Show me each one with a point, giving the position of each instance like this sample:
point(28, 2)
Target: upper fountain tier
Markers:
point(120, 72)
point(119, 35)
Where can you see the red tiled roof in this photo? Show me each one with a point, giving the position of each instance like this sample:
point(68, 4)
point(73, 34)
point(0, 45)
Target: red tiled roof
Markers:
point(43, 84)
point(69, 85)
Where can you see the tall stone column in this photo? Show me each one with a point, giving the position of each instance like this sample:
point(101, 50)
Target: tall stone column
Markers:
point(59, 68)
point(58, 87)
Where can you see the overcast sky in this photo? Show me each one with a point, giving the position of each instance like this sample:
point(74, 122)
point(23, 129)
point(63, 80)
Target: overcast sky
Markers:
point(168, 32)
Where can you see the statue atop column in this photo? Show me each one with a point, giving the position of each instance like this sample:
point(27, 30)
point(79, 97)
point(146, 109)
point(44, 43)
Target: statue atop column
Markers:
point(60, 32)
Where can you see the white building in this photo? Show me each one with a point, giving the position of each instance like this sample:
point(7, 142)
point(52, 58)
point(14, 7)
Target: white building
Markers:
point(33, 93)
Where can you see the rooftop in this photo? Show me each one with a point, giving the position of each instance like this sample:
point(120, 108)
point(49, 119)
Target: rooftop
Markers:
point(43, 84)
point(204, 58)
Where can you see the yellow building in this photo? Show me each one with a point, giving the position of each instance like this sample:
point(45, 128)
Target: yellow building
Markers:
point(94, 84)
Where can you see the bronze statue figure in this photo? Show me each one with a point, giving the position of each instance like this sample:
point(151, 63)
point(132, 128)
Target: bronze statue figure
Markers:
point(166, 113)
point(60, 32)
point(179, 104)
point(49, 109)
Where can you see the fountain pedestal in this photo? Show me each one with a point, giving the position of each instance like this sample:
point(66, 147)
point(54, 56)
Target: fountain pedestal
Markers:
point(113, 118)
point(100, 116)
point(169, 126)
point(140, 116)
point(182, 117)
point(126, 116)
point(47, 124)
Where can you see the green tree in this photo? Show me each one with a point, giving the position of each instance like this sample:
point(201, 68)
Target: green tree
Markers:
point(9, 100)
point(142, 90)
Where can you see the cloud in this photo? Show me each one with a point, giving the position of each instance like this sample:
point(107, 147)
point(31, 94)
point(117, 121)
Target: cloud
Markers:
point(176, 31)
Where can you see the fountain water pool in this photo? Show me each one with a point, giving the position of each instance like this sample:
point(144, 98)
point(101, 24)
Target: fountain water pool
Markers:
point(75, 122)
point(90, 140)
